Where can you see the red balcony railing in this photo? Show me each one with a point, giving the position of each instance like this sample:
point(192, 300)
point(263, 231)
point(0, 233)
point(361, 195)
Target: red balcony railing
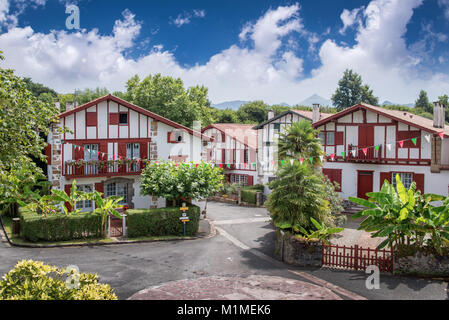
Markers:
point(371, 155)
point(102, 169)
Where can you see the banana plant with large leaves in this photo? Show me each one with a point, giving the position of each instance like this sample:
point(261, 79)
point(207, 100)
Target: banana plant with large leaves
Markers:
point(71, 199)
point(404, 216)
point(106, 206)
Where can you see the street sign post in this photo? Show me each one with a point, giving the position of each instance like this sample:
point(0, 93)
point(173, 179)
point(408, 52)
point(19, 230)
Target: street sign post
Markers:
point(184, 217)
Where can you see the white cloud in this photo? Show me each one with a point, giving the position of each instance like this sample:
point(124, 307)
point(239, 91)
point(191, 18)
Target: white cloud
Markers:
point(186, 17)
point(445, 5)
point(264, 66)
point(350, 18)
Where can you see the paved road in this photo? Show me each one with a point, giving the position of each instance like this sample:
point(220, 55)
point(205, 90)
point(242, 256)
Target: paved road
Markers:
point(242, 249)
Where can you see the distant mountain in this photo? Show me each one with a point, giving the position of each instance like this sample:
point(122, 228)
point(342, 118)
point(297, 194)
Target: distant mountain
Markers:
point(282, 104)
point(230, 104)
point(410, 105)
point(315, 99)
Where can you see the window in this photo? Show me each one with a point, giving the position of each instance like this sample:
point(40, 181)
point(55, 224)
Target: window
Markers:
point(276, 127)
point(239, 179)
point(133, 150)
point(91, 152)
point(85, 205)
point(123, 118)
point(118, 189)
point(322, 137)
point(406, 178)
point(330, 138)
point(245, 156)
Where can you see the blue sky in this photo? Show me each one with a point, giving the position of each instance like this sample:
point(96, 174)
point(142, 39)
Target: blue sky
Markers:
point(278, 51)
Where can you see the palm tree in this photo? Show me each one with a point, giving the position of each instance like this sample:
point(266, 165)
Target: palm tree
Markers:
point(297, 196)
point(300, 141)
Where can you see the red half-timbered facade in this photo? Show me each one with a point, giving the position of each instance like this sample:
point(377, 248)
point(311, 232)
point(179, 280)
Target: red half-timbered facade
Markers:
point(366, 145)
point(234, 148)
point(106, 144)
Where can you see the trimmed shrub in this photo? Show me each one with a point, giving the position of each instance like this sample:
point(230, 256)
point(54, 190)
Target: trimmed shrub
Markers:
point(257, 187)
point(249, 196)
point(34, 280)
point(59, 227)
point(161, 222)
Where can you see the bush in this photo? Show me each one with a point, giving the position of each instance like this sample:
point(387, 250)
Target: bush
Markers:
point(249, 195)
point(33, 280)
point(58, 227)
point(257, 187)
point(161, 222)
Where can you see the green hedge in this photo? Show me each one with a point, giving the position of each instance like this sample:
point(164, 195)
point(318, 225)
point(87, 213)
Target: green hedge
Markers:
point(161, 222)
point(257, 187)
point(249, 195)
point(58, 227)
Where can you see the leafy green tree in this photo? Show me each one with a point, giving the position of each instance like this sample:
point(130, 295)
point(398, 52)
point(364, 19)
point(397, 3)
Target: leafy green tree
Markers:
point(225, 116)
point(167, 97)
point(38, 89)
point(300, 141)
point(106, 206)
point(279, 109)
point(253, 112)
point(181, 182)
point(351, 91)
point(423, 102)
point(444, 100)
point(87, 95)
point(24, 122)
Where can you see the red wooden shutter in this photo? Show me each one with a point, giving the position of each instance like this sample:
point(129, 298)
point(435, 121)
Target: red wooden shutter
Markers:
point(384, 176)
point(338, 138)
point(91, 119)
point(250, 180)
point(122, 149)
point(113, 118)
point(223, 156)
point(337, 178)
point(143, 150)
point(103, 148)
point(100, 188)
point(48, 153)
point(419, 179)
point(79, 153)
point(67, 189)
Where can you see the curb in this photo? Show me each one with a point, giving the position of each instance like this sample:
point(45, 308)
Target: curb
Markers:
point(211, 234)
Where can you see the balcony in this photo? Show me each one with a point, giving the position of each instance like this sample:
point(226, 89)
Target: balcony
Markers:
point(372, 155)
point(102, 169)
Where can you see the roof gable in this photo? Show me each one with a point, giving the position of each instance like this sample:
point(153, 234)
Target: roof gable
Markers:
point(234, 130)
point(400, 116)
point(308, 115)
point(135, 108)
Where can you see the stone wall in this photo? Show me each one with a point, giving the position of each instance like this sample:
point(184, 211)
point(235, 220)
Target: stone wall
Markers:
point(56, 157)
point(422, 263)
point(297, 252)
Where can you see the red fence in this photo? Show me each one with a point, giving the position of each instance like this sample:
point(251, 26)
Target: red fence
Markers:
point(116, 227)
point(357, 258)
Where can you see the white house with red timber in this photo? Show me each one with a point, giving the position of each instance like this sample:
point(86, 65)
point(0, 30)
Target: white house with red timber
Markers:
point(233, 148)
point(104, 146)
point(366, 145)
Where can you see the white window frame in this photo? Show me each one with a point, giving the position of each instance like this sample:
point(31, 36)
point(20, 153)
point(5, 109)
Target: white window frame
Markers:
point(85, 205)
point(406, 178)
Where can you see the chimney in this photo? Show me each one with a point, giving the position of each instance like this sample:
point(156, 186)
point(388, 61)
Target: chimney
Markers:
point(438, 115)
point(270, 114)
point(316, 112)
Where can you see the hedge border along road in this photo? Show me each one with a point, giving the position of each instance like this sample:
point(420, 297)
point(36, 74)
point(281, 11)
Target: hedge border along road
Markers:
point(161, 222)
point(59, 227)
point(249, 194)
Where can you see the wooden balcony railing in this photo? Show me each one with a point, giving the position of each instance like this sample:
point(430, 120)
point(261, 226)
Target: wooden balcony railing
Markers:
point(372, 155)
point(102, 169)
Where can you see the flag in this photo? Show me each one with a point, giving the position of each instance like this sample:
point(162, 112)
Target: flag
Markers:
point(354, 152)
point(291, 161)
point(441, 134)
point(377, 148)
point(343, 154)
point(282, 162)
point(365, 151)
point(389, 146)
point(427, 136)
point(414, 140)
point(321, 158)
point(229, 165)
point(245, 165)
point(332, 156)
point(301, 160)
point(311, 160)
point(401, 143)
point(197, 165)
